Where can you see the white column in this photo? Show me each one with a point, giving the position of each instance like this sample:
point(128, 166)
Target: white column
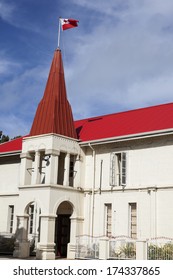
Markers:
point(22, 244)
point(153, 213)
point(104, 248)
point(52, 167)
point(75, 229)
point(77, 170)
point(46, 246)
point(141, 250)
point(25, 169)
point(36, 174)
point(67, 169)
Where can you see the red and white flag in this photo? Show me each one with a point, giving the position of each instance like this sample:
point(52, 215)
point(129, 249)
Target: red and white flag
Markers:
point(68, 23)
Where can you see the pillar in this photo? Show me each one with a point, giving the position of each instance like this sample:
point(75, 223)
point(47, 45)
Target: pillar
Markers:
point(25, 169)
point(46, 246)
point(153, 212)
point(104, 248)
point(141, 250)
point(67, 169)
point(22, 245)
point(36, 175)
point(77, 169)
point(75, 229)
point(52, 167)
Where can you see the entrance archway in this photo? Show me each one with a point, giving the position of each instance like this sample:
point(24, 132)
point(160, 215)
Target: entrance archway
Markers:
point(62, 228)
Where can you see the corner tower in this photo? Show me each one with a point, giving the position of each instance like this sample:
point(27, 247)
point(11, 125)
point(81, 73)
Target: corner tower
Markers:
point(50, 171)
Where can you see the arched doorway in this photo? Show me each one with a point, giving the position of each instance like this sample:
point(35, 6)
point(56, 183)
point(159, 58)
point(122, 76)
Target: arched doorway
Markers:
point(62, 229)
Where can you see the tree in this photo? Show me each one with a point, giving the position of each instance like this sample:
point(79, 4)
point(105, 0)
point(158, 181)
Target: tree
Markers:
point(3, 138)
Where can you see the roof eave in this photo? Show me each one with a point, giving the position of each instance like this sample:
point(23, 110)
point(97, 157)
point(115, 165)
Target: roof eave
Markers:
point(50, 134)
point(11, 153)
point(128, 137)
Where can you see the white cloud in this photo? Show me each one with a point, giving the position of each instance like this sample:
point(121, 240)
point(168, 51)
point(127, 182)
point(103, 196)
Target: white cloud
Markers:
point(10, 12)
point(123, 63)
point(151, 91)
point(12, 125)
point(104, 7)
point(19, 98)
point(7, 65)
point(6, 11)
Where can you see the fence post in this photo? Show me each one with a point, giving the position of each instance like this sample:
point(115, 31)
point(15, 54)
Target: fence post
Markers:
point(141, 250)
point(104, 248)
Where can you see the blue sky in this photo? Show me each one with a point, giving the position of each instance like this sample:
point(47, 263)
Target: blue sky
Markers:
point(119, 58)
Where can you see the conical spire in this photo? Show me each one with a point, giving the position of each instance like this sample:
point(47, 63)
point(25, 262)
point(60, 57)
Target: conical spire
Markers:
point(54, 113)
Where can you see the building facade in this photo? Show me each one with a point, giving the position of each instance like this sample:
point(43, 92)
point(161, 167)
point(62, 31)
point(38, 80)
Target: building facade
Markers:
point(103, 177)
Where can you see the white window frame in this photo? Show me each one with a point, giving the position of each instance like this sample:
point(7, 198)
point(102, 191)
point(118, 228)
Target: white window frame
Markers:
point(133, 224)
point(108, 219)
point(31, 218)
point(118, 169)
point(10, 218)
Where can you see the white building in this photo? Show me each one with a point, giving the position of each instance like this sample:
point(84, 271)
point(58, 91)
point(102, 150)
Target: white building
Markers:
point(106, 176)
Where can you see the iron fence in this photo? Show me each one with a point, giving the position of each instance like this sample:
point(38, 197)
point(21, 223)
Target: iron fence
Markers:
point(160, 249)
point(87, 247)
point(122, 249)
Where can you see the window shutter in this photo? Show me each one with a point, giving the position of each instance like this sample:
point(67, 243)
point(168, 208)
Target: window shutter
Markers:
point(112, 169)
point(123, 169)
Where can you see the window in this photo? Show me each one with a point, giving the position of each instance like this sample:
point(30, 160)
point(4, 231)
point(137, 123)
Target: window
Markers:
point(10, 218)
point(118, 166)
point(108, 219)
point(72, 172)
point(133, 220)
point(31, 219)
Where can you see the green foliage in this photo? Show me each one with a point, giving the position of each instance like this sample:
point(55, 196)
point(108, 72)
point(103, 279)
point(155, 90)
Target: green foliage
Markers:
point(164, 252)
point(128, 251)
point(18, 136)
point(3, 138)
point(7, 244)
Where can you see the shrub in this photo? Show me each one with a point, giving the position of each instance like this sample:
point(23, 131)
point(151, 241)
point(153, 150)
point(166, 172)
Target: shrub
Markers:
point(164, 252)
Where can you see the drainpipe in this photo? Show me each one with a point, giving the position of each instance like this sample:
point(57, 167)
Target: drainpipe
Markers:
point(101, 171)
point(92, 194)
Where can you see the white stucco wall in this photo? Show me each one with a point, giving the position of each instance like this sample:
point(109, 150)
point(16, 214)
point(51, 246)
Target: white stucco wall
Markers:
point(149, 184)
point(154, 213)
point(5, 201)
point(149, 164)
point(9, 177)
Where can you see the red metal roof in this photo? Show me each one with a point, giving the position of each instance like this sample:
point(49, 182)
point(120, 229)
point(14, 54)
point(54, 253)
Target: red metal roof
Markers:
point(132, 122)
point(54, 113)
point(125, 123)
point(11, 146)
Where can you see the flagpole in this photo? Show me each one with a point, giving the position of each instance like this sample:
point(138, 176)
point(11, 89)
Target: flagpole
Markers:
point(59, 31)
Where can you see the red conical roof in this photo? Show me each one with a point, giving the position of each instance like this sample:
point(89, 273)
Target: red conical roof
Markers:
point(54, 114)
